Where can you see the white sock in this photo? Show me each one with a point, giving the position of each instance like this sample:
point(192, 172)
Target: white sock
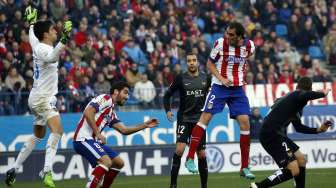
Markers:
point(26, 151)
point(51, 149)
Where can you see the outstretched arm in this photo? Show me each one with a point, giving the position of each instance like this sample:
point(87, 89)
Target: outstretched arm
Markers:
point(120, 127)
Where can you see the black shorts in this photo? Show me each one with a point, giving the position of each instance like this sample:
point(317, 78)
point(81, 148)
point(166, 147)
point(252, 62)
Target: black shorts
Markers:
point(183, 134)
point(281, 148)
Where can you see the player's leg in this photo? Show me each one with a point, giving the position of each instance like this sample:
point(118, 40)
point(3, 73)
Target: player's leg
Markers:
point(56, 131)
point(245, 145)
point(183, 133)
point(280, 176)
point(176, 163)
point(39, 133)
point(282, 151)
point(97, 157)
point(117, 165)
point(240, 110)
point(202, 163)
point(301, 178)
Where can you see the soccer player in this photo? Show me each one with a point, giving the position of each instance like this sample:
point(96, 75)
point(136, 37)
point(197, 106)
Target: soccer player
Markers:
point(90, 143)
point(227, 64)
point(192, 87)
point(42, 100)
point(273, 136)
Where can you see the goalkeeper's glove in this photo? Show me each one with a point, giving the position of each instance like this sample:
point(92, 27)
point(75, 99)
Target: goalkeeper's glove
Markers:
point(67, 28)
point(30, 15)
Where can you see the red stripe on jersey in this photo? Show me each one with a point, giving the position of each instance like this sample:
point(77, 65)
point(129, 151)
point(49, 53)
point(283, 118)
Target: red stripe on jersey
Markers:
point(248, 48)
point(79, 126)
point(100, 119)
point(106, 97)
point(235, 68)
point(225, 56)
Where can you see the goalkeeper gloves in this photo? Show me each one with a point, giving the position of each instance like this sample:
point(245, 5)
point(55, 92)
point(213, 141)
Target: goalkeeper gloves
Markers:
point(30, 15)
point(67, 28)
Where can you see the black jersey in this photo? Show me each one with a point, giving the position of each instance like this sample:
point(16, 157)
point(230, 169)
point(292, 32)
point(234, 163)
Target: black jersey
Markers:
point(288, 109)
point(192, 92)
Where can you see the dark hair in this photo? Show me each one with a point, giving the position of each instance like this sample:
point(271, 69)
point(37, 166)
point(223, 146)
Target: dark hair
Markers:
point(240, 31)
point(119, 85)
point(190, 53)
point(42, 27)
point(305, 83)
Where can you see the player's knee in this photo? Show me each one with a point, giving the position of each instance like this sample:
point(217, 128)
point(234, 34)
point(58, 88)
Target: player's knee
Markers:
point(301, 160)
point(201, 154)
point(119, 164)
point(108, 163)
point(294, 168)
point(205, 118)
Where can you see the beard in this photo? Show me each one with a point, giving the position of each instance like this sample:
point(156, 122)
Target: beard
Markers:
point(121, 103)
point(192, 69)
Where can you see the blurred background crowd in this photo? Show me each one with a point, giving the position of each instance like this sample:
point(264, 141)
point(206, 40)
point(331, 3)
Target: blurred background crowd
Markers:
point(145, 41)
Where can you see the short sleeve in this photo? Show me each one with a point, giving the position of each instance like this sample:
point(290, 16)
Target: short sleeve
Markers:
point(100, 102)
point(216, 50)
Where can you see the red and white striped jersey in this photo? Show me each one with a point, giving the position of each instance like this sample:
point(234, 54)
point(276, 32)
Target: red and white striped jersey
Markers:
point(231, 61)
point(105, 116)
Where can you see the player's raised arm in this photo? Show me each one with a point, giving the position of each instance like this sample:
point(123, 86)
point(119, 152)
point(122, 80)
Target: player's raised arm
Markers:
point(120, 127)
point(168, 94)
point(31, 18)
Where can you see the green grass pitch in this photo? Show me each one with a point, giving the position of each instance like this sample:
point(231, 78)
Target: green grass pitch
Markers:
point(316, 178)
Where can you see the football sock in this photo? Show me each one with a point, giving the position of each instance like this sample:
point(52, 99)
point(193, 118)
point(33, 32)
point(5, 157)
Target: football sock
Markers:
point(26, 151)
point(51, 149)
point(175, 169)
point(109, 178)
point(301, 178)
point(196, 136)
point(96, 175)
point(276, 178)
point(244, 148)
point(203, 170)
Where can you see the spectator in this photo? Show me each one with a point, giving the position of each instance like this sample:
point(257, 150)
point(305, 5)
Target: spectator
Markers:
point(14, 77)
point(101, 86)
point(144, 92)
point(135, 53)
point(133, 75)
point(255, 123)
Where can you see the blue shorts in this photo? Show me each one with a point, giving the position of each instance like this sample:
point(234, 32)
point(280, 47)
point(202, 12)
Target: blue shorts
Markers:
point(93, 150)
point(234, 97)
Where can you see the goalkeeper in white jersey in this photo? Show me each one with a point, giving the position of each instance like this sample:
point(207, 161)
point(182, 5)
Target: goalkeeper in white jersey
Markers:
point(42, 100)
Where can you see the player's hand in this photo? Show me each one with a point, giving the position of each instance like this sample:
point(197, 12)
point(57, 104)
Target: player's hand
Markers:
point(152, 123)
point(326, 91)
point(30, 15)
point(325, 126)
point(101, 138)
point(226, 82)
point(170, 116)
point(67, 28)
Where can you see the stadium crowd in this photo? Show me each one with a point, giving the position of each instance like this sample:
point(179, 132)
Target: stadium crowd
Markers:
point(145, 42)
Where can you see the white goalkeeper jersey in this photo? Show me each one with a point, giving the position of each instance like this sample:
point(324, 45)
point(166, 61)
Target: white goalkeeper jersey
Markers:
point(45, 58)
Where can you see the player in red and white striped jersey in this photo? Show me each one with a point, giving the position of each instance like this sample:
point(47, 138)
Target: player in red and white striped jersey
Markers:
point(90, 143)
point(227, 64)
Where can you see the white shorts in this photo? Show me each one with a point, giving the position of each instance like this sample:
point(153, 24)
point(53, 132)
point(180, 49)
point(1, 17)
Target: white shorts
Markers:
point(43, 108)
